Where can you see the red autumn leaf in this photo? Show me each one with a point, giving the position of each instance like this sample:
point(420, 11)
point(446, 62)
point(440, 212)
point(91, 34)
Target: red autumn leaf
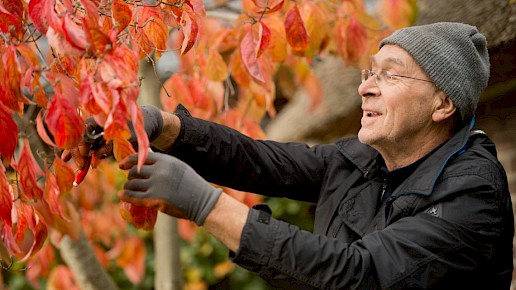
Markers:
point(28, 172)
point(190, 29)
point(140, 216)
point(264, 37)
point(62, 278)
point(122, 14)
point(9, 133)
point(59, 43)
point(297, 36)
point(30, 84)
point(8, 245)
point(30, 231)
point(40, 265)
point(74, 33)
point(10, 23)
point(37, 13)
point(65, 86)
point(51, 195)
point(248, 51)
point(64, 123)
point(139, 129)
point(353, 39)
point(42, 132)
point(6, 198)
point(132, 259)
point(15, 7)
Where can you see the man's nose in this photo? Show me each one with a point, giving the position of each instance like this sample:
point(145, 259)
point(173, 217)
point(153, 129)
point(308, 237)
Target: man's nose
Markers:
point(369, 88)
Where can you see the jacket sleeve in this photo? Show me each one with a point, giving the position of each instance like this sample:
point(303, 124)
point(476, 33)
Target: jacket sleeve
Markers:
point(415, 252)
point(229, 158)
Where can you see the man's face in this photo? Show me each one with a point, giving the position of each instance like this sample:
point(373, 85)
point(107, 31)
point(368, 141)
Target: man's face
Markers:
point(397, 111)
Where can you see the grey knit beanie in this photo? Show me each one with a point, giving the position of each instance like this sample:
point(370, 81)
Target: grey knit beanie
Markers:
point(455, 57)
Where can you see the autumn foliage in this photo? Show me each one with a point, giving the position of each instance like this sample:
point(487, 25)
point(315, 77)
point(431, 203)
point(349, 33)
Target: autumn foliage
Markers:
point(89, 68)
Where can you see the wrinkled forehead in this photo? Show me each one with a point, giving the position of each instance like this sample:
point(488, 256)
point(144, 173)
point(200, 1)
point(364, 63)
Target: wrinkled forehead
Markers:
point(390, 56)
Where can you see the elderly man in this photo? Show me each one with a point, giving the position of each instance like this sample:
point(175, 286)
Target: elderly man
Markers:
point(417, 200)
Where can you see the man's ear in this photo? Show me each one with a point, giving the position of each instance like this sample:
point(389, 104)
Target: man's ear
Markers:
point(444, 107)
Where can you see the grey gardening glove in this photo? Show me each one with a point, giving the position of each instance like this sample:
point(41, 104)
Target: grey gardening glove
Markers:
point(169, 185)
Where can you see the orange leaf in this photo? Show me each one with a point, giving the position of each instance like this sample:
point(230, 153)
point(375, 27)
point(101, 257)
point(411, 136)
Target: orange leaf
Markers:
point(9, 133)
point(6, 198)
point(132, 259)
point(267, 6)
point(64, 123)
point(398, 13)
point(116, 124)
point(122, 14)
point(297, 36)
point(28, 171)
point(64, 175)
point(150, 31)
point(277, 48)
point(186, 229)
point(10, 78)
point(317, 25)
point(215, 68)
point(122, 148)
point(99, 42)
point(313, 88)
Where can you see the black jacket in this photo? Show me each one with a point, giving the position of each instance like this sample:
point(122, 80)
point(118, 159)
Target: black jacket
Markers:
point(449, 225)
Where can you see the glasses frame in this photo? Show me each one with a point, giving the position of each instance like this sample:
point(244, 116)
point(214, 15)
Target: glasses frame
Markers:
point(369, 73)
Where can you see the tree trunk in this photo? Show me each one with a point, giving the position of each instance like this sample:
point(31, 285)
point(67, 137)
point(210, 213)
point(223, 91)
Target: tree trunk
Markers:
point(166, 249)
point(81, 259)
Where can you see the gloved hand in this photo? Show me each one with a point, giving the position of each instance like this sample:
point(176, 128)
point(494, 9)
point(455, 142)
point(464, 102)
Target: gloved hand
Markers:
point(169, 185)
point(153, 123)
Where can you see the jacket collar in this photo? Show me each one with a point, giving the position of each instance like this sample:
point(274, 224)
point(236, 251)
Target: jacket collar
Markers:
point(423, 180)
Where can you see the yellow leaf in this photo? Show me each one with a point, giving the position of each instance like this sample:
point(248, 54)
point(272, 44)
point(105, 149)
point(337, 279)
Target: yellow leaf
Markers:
point(215, 69)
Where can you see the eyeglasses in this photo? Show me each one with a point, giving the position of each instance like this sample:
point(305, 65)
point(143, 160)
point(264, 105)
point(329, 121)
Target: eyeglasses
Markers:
point(386, 76)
